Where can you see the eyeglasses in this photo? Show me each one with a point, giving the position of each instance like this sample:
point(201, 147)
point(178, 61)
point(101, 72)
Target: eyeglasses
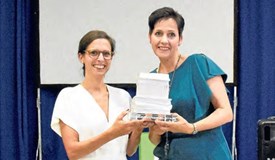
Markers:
point(95, 54)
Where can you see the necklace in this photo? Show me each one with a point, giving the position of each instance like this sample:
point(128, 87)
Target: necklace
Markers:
point(174, 71)
point(166, 146)
point(171, 82)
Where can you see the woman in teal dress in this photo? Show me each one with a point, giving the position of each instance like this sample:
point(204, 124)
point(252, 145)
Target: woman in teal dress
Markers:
point(198, 93)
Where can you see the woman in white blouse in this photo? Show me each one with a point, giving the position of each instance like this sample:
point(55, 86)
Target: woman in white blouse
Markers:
point(89, 116)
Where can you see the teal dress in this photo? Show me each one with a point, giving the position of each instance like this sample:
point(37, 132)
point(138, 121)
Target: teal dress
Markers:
point(191, 97)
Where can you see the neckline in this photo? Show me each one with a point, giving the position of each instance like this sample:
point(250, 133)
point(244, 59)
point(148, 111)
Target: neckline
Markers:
point(179, 65)
point(107, 115)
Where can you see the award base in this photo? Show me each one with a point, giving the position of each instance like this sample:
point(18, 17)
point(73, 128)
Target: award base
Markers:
point(152, 116)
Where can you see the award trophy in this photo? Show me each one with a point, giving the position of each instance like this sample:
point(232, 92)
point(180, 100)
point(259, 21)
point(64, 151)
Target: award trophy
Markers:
point(151, 100)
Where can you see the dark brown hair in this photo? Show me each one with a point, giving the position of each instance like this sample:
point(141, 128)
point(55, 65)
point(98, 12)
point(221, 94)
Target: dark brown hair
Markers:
point(163, 14)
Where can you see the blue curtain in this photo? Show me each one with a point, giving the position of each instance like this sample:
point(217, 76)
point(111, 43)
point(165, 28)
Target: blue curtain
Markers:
point(256, 89)
point(52, 145)
point(18, 81)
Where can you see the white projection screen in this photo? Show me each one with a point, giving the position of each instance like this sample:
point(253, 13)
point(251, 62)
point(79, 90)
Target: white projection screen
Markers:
point(209, 29)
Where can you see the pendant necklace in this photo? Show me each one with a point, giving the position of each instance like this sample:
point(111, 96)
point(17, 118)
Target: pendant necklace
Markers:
point(171, 82)
point(166, 146)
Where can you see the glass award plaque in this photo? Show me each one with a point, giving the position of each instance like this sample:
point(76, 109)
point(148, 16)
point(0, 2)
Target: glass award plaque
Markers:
point(162, 117)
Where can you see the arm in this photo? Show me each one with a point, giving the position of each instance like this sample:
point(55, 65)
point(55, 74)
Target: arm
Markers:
point(76, 149)
point(222, 114)
point(134, 137)
point(155, 133)
point(134, 140)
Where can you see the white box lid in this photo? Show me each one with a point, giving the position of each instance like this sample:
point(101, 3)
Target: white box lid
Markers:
point(154, 76)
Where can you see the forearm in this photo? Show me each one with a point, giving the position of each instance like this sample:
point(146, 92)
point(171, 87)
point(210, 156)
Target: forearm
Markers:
point(133, 142)
point(217, 118)
point(154, 138)
point(76, 149)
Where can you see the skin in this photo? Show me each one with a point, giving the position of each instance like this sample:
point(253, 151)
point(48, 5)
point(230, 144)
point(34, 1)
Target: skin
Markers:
point(165, 41)
point(95, 70)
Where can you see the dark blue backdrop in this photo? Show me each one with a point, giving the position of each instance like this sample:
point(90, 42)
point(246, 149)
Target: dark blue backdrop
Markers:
point(256, 48)
point(19, 65)
point(19, 78)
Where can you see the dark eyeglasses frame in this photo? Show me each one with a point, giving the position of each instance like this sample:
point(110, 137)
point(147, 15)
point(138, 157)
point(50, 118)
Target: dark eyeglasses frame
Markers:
point(94, 54)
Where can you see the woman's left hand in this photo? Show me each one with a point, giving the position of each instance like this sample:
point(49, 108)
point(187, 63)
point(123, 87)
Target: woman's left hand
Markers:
point(180, 126)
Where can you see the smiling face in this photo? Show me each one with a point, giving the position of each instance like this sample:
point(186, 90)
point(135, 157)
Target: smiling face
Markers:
point(96, 66)
point(165, 39)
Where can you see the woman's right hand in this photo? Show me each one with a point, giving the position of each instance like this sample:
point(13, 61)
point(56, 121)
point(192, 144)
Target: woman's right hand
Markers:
point(123, 127)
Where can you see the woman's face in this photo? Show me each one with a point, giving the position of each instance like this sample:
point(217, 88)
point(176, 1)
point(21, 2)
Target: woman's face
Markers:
point(96, 65)
point(165, 38)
